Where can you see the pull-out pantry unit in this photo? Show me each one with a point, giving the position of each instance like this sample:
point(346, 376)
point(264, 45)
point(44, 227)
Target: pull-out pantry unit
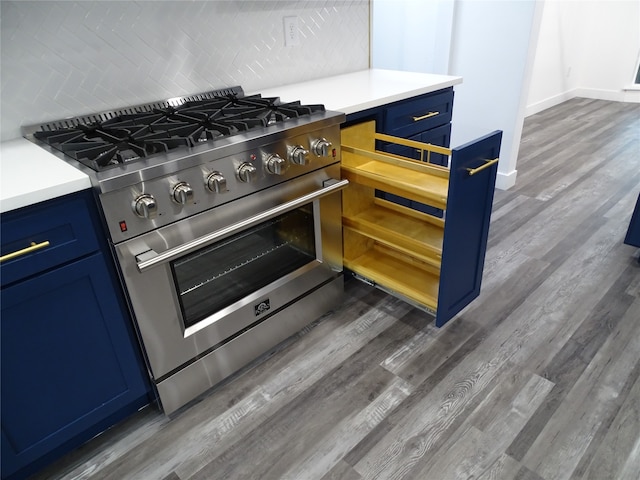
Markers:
point(431, 257)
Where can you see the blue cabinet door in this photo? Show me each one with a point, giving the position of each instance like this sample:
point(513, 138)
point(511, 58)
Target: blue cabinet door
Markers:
point(633, 232)
point(65, 224)
point(69, 364)
point(466, 230)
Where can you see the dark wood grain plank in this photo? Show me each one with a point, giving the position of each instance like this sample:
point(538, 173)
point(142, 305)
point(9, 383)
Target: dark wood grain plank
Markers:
point(504, 468)
point(614, 447)
point(487, 431)
point(172, 476)
point(342, 471)
point(567, 435)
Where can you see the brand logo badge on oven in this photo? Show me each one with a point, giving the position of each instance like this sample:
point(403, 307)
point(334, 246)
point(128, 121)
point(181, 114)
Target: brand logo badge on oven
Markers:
point(262, 307)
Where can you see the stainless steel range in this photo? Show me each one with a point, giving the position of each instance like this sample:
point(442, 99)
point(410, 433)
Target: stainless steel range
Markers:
point(224, 213)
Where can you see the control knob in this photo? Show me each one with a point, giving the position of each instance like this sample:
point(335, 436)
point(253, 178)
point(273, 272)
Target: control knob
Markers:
point(298, 155)
point(145, 206)
point(216, 183)
point(321, 147)
point(276, 165)
point(247, 172)
point(182, 193)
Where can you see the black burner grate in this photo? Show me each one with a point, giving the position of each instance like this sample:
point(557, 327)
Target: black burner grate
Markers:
point(131, 134)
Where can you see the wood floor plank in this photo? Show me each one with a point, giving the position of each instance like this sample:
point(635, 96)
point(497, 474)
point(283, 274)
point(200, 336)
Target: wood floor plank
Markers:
point(342, 471)
point(503, 468)
point(563, 370)
point(614, 444)
point(408, 351)
point(297, 431)
point(172, 476)
point(506, 278)
point(492, 427)
point(552, 224)
point(329, 450)
point(414, 405)
point(561, 444)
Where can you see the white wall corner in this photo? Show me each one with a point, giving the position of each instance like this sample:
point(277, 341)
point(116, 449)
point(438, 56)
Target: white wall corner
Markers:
point(504, 181)
point(632, 96)
point(549, 102)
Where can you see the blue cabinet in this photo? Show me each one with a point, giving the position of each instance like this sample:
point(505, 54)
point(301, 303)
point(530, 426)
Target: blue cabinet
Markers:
point(633, 232)
point(402, 243)
point(472, 180)
point(418, 115)
point(70, 364)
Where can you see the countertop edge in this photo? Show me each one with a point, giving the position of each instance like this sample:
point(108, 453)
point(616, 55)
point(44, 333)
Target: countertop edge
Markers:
point(357, 91)
point(32, 175)
point(31, 198)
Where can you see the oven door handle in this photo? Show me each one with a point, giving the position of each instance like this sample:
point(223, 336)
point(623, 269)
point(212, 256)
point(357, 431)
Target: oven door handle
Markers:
point(151, 258)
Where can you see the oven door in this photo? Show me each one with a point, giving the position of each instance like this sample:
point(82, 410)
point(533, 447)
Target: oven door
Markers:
point(197, 284)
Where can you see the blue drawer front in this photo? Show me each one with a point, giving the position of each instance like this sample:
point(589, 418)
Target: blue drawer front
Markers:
point(409, 118)
point(65, 223)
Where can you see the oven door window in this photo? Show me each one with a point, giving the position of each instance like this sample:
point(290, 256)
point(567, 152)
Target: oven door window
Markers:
point(223, 273)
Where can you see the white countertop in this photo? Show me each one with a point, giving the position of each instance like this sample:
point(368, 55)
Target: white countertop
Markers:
point(29, 174)
point(354, 92)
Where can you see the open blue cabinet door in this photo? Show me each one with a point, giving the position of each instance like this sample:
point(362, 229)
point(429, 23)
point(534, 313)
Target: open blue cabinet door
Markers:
point(471, 185)
point(633, 232)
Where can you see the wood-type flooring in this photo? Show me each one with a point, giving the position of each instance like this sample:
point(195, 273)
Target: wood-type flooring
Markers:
point(538, 379)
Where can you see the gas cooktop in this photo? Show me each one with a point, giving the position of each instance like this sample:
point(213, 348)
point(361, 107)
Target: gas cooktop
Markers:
point(105, 140)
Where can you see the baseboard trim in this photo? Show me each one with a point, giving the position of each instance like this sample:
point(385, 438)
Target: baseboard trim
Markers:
point(504, 181)
point(630, 96)
point(549, 102)
point(626, 95)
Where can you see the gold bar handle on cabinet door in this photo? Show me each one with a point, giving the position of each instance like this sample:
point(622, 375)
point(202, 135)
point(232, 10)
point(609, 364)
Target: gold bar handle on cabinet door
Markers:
point(18, 253)
point(427, 115)
point(473, 171)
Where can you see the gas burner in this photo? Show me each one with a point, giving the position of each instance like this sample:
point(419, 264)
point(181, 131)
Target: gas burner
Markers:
point(107, 140)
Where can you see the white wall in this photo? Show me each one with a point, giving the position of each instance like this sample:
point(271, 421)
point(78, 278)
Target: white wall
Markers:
point(62, 58)
point(586, 48)
point(411, 35)
point(493, 48)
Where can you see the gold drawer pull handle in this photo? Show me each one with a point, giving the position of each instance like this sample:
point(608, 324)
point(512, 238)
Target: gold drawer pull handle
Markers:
point(428, 115)
point(473, 171)
point(34, 246)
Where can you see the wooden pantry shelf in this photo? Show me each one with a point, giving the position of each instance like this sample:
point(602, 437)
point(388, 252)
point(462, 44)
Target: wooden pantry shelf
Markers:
point(398, 180)
point(407, 233)
point(397, 244)
point(402, 275)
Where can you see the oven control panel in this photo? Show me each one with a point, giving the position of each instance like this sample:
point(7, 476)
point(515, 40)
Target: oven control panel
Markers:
point(215, 181)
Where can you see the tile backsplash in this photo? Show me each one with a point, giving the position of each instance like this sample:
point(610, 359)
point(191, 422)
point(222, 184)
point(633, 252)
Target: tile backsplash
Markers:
point(62, 59)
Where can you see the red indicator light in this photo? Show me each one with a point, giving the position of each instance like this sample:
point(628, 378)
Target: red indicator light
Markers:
point(253, 156)
point(123, 226)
